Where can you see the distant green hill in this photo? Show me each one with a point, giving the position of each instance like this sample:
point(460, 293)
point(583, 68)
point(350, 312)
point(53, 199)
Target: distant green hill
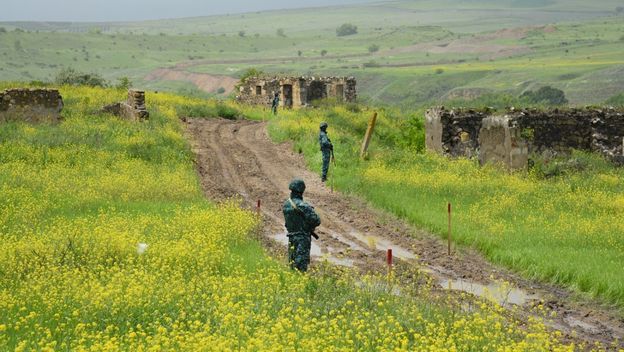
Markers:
point(405, 52)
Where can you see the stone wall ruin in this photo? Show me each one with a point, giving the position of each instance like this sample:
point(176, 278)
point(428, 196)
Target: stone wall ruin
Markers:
point(132, 109)
point(30, 105)
point(510, 138)
point(296, 92)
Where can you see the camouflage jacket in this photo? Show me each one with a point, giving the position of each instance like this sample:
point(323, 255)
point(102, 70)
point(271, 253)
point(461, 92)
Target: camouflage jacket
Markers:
point(325, 142)
point(300, 218)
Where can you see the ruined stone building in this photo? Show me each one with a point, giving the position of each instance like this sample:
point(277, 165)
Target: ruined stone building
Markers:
point(296, 92)
point(132, 109)
point(510, 138)
point(30, 105)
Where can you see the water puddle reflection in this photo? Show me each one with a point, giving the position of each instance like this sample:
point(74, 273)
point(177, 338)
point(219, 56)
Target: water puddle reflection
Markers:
point(382, 244)
point(498, 292)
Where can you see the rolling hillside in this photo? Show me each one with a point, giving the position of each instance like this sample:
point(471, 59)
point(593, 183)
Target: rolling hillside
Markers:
point(405, 52)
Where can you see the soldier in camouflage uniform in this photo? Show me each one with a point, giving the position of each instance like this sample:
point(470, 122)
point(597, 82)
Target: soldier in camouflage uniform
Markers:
point(275, 103)
point(301, 220)
point(326, 148)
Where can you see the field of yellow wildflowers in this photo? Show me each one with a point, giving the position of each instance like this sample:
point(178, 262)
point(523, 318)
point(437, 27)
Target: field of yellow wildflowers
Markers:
point(79, 197)
point(565, 229)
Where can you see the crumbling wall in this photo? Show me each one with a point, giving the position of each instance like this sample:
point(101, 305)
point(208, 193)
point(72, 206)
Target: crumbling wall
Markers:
point(268, 88)
point(511, 138)
point(350, 93)
point(556, 130)
point(296, 91)
point(30, 105)
point(453, 132)
point(133, 108)
point(501, 142)
point(608, 132)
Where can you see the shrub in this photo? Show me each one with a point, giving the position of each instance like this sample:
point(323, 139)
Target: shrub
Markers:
point(241, 33)
point(280, 33)
point(221, 90)
point(552, 165)
point(123, 83)
point(69, 76)
point(546, 95)
point(346, 29)
point(251, 72)
point(439, 71)
point(3, 30)
point(323, 52)
point(227, 112)
point(373, 48)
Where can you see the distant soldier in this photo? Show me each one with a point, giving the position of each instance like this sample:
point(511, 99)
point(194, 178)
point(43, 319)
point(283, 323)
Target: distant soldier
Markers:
point(275, 103)
point(327, 148)
point(301, 221)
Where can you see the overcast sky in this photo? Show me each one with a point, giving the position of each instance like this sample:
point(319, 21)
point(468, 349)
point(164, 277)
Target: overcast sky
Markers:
point(130, 10)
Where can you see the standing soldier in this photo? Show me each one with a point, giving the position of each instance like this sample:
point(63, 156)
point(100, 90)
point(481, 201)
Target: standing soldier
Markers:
point(301, 221)
point(327, 149)
point(275, 103)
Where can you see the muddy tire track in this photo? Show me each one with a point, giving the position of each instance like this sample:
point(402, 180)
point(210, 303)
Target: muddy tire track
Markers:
point(237, 159)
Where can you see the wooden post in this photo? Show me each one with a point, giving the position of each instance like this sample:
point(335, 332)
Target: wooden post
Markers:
point(368, 135)
point(258, 206)
point(449, 228)
point(389, 260)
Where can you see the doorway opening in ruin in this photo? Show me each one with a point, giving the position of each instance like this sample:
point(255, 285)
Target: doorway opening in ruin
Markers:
point(287, 93)
point(258, 90)
point(340, 92)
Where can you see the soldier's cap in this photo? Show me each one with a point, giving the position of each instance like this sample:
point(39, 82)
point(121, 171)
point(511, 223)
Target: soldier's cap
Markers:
point(323, 125)
point(297, 185)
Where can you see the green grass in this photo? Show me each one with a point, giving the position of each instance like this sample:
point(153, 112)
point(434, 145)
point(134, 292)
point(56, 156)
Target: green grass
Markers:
point(563, 230)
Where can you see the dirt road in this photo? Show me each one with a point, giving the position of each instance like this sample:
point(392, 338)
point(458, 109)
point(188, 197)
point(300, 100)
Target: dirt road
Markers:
point(237, 159)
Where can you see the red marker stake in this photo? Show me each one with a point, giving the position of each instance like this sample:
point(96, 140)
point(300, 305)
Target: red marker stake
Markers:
point(389, 260)
point(449, 228)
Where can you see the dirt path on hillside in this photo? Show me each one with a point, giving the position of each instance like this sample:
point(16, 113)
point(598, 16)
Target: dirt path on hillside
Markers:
point(237, 159)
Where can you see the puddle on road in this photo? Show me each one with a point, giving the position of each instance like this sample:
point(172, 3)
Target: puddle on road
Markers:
point(340, 261)
point(350, 244)
point(500, 293)
point(383, 244)
point(576, 323)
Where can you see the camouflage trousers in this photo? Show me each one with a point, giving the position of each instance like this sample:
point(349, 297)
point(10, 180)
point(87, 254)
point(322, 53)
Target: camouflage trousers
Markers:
point(299, 245)
point(326, 159)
